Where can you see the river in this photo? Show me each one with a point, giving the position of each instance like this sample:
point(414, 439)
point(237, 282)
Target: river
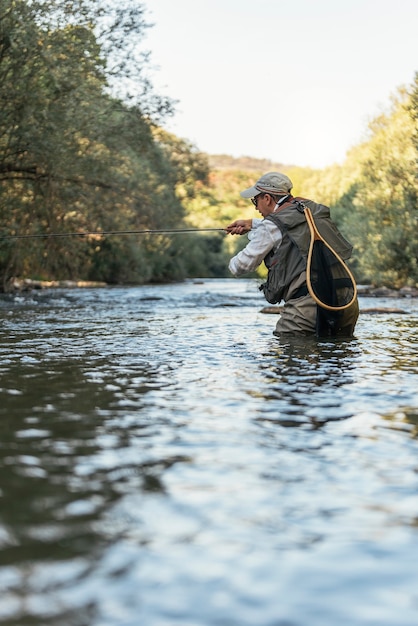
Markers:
point(166, 461)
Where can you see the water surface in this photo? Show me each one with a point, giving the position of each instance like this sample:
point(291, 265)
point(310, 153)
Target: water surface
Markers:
point(164, 461)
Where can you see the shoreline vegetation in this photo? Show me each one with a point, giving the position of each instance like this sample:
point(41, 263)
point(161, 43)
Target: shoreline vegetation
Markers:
point(83, 151)
point(27, 284)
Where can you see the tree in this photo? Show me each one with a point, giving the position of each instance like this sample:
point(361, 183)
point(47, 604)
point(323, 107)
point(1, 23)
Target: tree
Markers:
point(382, 219)
point(73, 157)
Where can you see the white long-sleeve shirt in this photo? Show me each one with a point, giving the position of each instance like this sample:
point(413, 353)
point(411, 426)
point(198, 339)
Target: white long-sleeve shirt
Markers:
point(263, 237)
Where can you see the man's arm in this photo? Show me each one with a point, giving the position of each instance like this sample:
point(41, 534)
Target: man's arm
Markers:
point(263, 239)
point(240, 227)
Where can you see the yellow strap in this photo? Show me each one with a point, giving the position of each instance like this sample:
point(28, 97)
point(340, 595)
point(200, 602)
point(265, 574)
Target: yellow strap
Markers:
point(315, 235)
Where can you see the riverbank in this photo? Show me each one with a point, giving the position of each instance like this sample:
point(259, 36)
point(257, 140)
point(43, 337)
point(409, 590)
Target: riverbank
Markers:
point(27, 284)
point(367, 291)
point(387, 292)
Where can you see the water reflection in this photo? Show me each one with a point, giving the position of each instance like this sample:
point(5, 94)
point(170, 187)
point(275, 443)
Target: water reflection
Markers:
point(306, 381)
point(69, 451)
point(164, 460)
point(404, 419)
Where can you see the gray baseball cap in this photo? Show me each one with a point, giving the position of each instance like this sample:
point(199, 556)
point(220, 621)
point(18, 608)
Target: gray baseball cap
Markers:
point(272, 182)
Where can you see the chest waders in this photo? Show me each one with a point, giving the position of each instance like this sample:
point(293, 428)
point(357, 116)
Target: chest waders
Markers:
point(312, 244)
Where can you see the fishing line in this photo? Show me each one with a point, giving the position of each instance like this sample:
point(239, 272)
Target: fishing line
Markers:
point(166, 231)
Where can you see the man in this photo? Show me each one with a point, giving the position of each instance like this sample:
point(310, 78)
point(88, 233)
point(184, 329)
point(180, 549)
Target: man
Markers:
point(281, 240)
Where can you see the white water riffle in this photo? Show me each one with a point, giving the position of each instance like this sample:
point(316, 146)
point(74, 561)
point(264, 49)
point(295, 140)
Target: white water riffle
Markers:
point(164, 461)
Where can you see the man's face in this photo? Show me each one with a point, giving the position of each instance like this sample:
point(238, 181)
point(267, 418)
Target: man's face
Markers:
point(264, 204)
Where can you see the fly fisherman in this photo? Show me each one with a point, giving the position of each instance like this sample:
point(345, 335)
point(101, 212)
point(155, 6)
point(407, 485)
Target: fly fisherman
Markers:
point(274, 240)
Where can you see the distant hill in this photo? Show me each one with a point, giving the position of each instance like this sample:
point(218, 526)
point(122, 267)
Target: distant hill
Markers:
point(246, 163)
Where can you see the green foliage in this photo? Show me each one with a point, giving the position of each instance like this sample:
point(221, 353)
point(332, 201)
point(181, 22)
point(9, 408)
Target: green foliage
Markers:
point(413, 110)
point(81, 149)
point(75, 158)
point(373, 195)
point(382, 208)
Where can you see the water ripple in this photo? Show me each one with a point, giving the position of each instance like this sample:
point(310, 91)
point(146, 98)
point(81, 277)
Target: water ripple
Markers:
point(165, 460)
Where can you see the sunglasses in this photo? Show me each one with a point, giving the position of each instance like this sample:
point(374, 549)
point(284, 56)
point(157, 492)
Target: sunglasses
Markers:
point(256, 198)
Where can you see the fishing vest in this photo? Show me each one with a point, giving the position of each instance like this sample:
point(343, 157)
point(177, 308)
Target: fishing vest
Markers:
point(286, 263)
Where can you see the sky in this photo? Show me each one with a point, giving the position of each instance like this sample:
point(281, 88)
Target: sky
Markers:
point(292, 81)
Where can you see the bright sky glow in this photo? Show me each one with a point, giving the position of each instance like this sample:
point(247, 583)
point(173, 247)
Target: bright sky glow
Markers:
point(294, 81)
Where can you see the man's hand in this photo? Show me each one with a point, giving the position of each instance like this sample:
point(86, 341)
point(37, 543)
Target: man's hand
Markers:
point(239, 227)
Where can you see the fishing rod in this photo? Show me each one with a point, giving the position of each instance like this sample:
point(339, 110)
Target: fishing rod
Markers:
point(154, 231)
